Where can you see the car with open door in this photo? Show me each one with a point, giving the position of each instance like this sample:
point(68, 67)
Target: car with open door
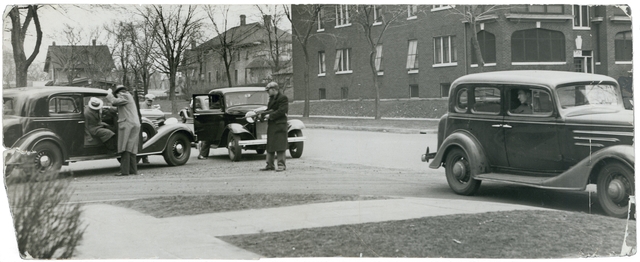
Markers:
point(545, 129)
point(49, 121)
point(227, 117)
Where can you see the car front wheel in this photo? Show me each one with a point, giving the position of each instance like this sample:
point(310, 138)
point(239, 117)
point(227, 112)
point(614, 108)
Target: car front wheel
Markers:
point(178, 150)
point(233, 145)
point(48, 157)
point(458, 171)
point(295, 149)
point(615, 185)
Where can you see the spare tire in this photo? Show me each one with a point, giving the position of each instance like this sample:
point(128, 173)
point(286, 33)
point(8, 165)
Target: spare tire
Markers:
point(148, 129)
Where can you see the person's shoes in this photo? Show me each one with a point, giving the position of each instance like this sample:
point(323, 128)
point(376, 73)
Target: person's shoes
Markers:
point(121, 174)
point(267, 168)
point(280, 169)
point(202, 157)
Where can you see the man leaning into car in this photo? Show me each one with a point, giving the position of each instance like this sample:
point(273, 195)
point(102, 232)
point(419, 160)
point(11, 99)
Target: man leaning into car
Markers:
point(128, 129)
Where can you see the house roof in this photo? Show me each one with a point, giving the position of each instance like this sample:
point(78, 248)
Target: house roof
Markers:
point(83, 55)
point(243, 35)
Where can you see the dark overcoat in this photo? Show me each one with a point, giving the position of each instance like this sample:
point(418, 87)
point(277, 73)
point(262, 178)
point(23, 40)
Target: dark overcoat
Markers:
point(94, 126)
point(278, 108)
point(128, 122)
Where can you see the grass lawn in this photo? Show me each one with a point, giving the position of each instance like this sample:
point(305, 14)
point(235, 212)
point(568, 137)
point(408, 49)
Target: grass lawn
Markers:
point(512, 234)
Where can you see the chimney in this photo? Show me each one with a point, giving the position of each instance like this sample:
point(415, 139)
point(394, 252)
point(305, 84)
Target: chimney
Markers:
point(193, 44)
point(54, 43)
point(93, 42)
point(243, 19)
point(267, 21)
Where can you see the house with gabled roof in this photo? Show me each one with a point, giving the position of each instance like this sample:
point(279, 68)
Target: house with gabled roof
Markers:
point(80, 65)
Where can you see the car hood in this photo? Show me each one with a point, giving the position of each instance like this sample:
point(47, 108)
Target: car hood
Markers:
point(601, 116)
point(152, 114)
point(242, 110)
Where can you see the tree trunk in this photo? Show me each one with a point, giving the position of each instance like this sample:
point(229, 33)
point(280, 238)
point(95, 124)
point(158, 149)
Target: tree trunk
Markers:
point(476, 45)
point(307, 92)
point(17, 41)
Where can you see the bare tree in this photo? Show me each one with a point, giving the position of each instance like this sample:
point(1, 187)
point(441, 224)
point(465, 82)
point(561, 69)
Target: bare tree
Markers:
point(143, 43)
point(18, 33)
point(302, 33)
point(373, 21)
point(177, 26)
point(278, 41)
point(8, 68)
point(472, 14)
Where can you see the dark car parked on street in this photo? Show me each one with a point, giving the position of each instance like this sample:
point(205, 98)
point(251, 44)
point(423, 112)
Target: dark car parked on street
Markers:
point(50, 122)
point(545, 129)
point(226, 117)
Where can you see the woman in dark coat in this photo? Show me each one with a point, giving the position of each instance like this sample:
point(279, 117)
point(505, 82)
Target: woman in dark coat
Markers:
point(276, 114)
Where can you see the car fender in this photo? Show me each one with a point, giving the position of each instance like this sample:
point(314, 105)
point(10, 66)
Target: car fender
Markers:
point(578, 176)
point(28, 140)
point(237, 129)
point(467, 142)
point(157, 143)
point(295, 124)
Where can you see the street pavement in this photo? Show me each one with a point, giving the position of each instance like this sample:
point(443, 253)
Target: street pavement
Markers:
point(121, 233)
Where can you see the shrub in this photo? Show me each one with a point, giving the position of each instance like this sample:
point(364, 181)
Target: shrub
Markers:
point(47, 226)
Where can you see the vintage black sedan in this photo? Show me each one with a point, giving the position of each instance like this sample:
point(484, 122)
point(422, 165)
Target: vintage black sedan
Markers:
point(545, 129)
point(226, 117)
point(50, 122)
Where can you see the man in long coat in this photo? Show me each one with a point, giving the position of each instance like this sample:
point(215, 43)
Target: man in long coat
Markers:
point(276, 114)
point(128, 129)
point(95, 127)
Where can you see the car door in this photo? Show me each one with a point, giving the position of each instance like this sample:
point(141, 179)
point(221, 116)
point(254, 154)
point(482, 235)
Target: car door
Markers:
point(66, 119)
point(486, 120)
point(531, 136)
point(208, 117)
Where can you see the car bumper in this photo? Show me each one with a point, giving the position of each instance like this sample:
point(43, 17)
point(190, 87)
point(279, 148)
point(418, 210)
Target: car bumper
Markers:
point(428, 156)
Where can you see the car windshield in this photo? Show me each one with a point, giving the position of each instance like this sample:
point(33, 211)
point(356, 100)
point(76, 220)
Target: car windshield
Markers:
point(589, 95)
point(246, 98)
point(8, 107)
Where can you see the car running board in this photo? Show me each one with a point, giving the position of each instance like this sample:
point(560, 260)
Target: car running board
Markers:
point(292, 139)
point(532, 181)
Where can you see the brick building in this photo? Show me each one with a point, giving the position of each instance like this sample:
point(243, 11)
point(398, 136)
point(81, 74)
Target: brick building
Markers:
point(426, 50)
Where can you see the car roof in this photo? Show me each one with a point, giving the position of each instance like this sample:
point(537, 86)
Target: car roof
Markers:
point(237, 89)
point(532, 77)
point(39, 91)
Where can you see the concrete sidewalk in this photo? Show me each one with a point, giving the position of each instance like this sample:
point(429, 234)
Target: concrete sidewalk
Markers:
point(117, 233)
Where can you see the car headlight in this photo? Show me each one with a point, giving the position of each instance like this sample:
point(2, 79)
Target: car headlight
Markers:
point(250, 116)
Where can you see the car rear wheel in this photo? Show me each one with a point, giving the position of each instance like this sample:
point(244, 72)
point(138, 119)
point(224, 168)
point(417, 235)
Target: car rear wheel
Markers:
point(48, 157)
point(295, 149)
point(458, 173)
point(178, 150)
point(615, 185)
point(233, 146)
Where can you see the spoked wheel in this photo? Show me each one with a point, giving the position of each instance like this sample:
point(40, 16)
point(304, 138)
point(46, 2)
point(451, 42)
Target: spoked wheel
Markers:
point(458, 173)
point(178, 150)
point(295, 149)
point(615, 185)
point(48, 157)
point(233, 146)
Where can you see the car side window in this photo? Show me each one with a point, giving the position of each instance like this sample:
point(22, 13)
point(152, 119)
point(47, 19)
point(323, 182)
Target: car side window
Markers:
point(486, 100)
point(201, 103)
point(529, 101)
point(64, 105)
point(462, 100)
point(216, 102)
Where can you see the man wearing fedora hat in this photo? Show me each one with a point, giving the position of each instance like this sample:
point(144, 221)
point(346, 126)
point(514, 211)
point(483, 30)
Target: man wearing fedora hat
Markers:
point(276, 114)
point(128, 129)
point(95, 127)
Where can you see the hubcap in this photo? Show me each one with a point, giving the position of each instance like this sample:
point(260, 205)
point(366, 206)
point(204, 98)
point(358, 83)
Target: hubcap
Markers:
point(44, 161)
point(616, 190)
point(178, 148)
point(144, 136)
point(460, 169)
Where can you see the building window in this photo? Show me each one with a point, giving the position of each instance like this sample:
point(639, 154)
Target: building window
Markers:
point(344, 93)
point(322, 65)
point(444, 50)
point(549, 9)
point(412, 55)
point(440, 7)
point(209, 77)
point(538, 45)
point(342, 15)
point(322, 93)
point(378, 61)
point(246, 74)
point(217, 76)
point(320, 21)
point(487, 42)
point(444, 89)
point(623, 45)
point(377, 15)
point(235, 72)
point(414, 92)
point(412, 11)
point(581, 16)
point(343, 60)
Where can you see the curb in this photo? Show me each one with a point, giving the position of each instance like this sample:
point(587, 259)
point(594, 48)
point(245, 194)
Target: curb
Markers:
point(373, 129)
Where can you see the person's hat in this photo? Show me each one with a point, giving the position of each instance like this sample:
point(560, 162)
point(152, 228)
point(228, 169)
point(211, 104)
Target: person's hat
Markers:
point(95, 103)
point(272, 85)
point(119, 88)
point(149, 97)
